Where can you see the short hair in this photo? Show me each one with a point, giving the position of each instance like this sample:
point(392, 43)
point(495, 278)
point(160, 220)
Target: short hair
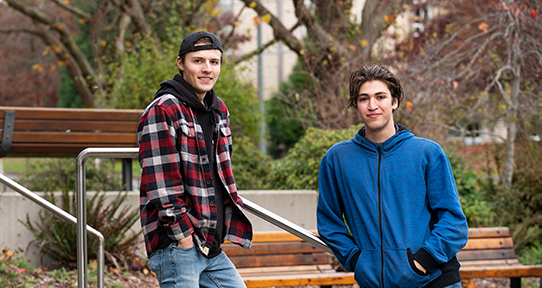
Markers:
point(374, 73)
point(202, 40)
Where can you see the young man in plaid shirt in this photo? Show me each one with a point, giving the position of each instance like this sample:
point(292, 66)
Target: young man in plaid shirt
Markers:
point(189, 204)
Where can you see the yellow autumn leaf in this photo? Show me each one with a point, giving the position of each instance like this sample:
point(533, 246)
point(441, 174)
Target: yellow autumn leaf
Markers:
point(103, 43)
point(389, 18)
point(406, 6)
point(128, 43)
point(266, 18)
point(483, 27)
point(57, 49)
point(252, 4)
point(36, 66)
point(257, 20)
point(409, 105)
point(46, 51)
point(422, 52)
point(60, 63)
point(364, 43)
point(66, 1)
point(52, 68)
point(82, 21)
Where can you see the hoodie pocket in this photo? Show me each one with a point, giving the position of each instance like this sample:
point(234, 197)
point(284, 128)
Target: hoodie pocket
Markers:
point(368, 269)
point(399, 270)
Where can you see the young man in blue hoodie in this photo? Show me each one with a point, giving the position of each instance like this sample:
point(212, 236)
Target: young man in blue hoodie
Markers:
point(388, 204)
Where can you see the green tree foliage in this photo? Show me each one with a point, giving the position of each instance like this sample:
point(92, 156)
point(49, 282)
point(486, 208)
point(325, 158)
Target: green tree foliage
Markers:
point(299, 169)
point(251, 168)
point(136, 77)
point(289, 112)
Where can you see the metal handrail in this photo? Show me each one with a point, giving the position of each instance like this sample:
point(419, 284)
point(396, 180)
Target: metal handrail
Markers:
point(133, 153)
point(59, 212)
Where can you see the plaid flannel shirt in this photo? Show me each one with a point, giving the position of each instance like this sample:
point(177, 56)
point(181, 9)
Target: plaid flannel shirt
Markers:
point(176, 191)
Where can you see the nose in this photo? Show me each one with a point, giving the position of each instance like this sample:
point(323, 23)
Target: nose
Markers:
point(372, 104)
point(207, 66)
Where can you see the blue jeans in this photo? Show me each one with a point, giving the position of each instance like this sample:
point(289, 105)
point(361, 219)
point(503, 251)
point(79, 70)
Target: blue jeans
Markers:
point(177, 267)
point(455, 285)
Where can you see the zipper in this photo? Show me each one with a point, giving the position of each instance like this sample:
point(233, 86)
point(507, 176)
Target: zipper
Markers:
point(380, 217)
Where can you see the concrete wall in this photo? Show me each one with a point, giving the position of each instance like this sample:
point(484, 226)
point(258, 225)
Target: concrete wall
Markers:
point(296, 206)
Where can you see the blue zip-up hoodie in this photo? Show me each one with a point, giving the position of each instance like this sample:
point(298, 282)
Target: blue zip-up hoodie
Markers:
point(400, 203)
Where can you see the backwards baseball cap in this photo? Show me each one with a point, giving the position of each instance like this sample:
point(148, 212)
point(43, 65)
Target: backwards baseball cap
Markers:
point(189, 42)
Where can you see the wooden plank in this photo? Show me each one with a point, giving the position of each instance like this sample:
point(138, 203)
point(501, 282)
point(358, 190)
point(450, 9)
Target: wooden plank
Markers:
point(492, 254)
point(73, 125)
point(283, 269)
point(489, 243)
point(336, 278)
point(271, 249)
point(279, 236)
point(280, 260)
point(487, 263)
point(501, 271)
point(75, 137)
point(72, 114)
point(488, 232)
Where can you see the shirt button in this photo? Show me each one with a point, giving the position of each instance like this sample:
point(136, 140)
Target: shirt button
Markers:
point(208, 181)
point(199, 136)
point(212, 204)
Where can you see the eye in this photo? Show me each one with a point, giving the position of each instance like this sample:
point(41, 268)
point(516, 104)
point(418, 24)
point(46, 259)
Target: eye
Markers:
point(363, 98)
point(197, 61)
point(215, 62)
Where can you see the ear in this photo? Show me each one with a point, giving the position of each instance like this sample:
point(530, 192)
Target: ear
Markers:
point(395, 104)
point(180, 63)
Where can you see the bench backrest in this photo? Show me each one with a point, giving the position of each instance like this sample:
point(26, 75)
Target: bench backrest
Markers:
point(488, 246)
point(276, 249)
point(52, 132)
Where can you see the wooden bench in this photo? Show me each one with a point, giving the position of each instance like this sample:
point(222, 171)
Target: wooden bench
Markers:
point(490, 253)
point(281, 259)
point(63, 132)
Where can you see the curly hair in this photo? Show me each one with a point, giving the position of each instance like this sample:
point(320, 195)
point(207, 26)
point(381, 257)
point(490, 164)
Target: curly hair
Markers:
point(374, 73)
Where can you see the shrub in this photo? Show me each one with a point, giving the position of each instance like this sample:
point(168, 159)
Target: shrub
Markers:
point(477, 209)
point(58, 238)
point(250, 167)
point(299, 169)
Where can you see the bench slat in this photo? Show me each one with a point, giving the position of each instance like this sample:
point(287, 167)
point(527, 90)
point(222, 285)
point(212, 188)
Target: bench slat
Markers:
point(275, 237)
point(488, 232)
point(280, 260)
point(283, 269)
point(335, 278)
point(76, 125)
point(481, 263)
point(486, 254)
point(271, 249)
point(73, 137)
point(501, 271)
point(489, 243)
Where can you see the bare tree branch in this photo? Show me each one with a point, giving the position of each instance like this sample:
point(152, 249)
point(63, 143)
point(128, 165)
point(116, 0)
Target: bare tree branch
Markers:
point(72, 9)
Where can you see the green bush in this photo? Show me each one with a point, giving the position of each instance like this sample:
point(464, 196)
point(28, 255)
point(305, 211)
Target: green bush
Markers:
point(477, 209)
point(299, 169)
point(250, 167)
point(58, 238)
point(289, 113)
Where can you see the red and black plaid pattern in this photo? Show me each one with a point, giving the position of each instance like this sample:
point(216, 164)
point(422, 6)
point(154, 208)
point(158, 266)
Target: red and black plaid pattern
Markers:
point(176, 192)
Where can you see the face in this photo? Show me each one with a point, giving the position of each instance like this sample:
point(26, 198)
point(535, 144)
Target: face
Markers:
point(201, 70)
point(376, 107)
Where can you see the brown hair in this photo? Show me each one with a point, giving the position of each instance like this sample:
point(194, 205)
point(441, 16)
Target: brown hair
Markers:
point(374, 73)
